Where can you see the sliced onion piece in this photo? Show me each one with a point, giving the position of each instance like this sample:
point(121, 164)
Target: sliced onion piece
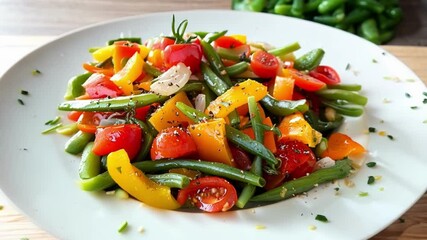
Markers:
point(325, 162)
point(200, 102)
point(172, 80)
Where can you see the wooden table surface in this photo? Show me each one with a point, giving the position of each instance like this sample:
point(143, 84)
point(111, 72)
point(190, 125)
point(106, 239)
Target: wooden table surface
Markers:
point(25, 24)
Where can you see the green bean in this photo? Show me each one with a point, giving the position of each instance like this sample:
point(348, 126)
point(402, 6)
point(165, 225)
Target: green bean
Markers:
point(150, 69)
point(77, 142)
point(289, 189)
point(98, 183)
point(256, 168)
point(90, 164)
point(283, 9)
point(237, 68)
point(129, 39)
point(210, 37)
point(213, 168)
point(243, 141)
point(395, 13)
point(234, 54)
point(386, 23)
point(344, 108)
point(340, 94)
point(74, 86)
point(103, 181)
point(357, 15)
point(297, 9)
point(172, 180)
point(193, 114)
point(68, 129)
point(320, 125)
point(334, 19)
point(327, 6)
point(310, 60)
point(348, 87)
point(371, 5)
point(321, 147)
point(283, 107)
point(386, 36)
point(215, 83)
point(242, 5)
point(215, 61)
point(147, 140)
point(52, 128)
point(369, 30)
point(114, 104)
point(312, 5)
point(285, 49)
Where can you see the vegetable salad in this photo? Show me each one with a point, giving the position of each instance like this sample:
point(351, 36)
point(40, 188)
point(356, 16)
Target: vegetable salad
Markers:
point(208, 120)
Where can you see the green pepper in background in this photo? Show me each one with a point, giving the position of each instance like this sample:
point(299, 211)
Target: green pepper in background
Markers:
point(374, 20)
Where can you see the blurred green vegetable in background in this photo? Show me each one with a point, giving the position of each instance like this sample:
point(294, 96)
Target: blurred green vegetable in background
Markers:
point(374, 20)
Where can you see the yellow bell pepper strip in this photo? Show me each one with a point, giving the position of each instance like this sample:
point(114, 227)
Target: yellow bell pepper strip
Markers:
point(128, 74)
point(235, 97)
point(103, 53)
point(169, 115)
point(295, 127)
point(211, 141)
point(134, 181)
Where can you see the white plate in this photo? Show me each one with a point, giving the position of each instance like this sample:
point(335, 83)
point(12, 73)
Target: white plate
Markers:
point(40, 178)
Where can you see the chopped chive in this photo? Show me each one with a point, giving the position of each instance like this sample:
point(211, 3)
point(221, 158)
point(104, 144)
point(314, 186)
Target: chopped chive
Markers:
point(337, 189)
point(123, 227)
point(425, 94)
point(36, 72)
point(24, 238)
point(374, 60)
point(390, 137)
point(371, 180)
point(414, 107)
point(51, 129)
point(24, 92)
point(21, 102)
point(363, 194)
point(321, 218)
point(1, 207)
point(407, 95)
point(348, 66)
point(425, 101)
point(372, 129)
point(53, 121)
point(371, 164)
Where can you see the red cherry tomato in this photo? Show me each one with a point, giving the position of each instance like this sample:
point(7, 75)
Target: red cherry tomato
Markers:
point(189, 53)
point(326, 74)
point(100, 86)
point(297, 160)
point(173, 142)
point(264, 64)
point(303, 80)
point(112, 138)
point(227, 42)
point(210, 194)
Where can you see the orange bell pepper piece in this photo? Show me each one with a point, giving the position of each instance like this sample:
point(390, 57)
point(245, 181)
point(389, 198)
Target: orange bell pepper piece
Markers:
point(341, 146)
point(295, 127)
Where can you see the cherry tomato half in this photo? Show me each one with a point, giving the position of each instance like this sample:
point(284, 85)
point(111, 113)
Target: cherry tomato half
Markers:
point(264, 64)
point(210, 194)
point(112, 138)
point(173, 142)
point(297, 160)
point(189, 53)
point(241, 158)
point(326, 74)
point(303, 80)
point(227, 42)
